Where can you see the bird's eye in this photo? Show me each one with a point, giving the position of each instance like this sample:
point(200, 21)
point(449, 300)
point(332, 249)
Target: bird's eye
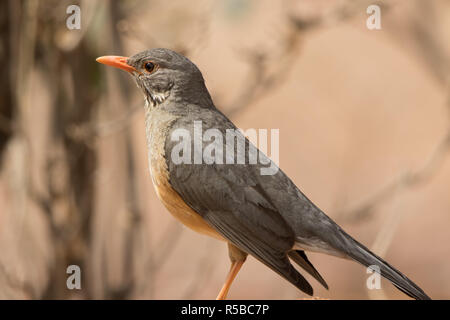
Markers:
point(149, 66)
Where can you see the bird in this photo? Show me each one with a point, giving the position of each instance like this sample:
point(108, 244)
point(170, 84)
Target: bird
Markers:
point(262, 215)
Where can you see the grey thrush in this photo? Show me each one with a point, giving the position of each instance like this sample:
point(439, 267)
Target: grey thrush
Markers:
point(264, 215)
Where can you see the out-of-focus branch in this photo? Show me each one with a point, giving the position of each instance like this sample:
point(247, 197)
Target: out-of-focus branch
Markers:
point(428, 42)
point(165, 246)
point(337, 14)
point(262, 80)
point(107, 128)
point(434, 58)
point(205, 269)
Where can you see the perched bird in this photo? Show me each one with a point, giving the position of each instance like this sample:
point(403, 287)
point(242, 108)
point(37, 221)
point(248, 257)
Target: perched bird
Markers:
point(264, 215)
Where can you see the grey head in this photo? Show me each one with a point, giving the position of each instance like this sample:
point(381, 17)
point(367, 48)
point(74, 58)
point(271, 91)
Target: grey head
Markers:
point(164, 76)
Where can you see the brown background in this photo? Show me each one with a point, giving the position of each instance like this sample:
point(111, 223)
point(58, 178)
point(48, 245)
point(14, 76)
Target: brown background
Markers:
point(364, 119)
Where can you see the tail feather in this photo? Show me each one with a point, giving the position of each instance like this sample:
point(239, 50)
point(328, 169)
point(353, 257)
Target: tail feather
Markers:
point(299, 257)
point(364, 256)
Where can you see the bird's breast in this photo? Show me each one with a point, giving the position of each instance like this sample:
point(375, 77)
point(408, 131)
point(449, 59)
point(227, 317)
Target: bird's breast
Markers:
point(158, 125)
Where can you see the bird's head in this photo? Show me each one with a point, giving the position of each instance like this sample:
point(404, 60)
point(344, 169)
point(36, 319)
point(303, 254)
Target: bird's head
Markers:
point(163, 73)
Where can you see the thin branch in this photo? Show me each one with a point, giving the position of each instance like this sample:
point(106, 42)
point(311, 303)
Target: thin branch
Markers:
point(15, 283)
point(166, 245)
point(108, 128)
point(260, 80)
point(5, 124)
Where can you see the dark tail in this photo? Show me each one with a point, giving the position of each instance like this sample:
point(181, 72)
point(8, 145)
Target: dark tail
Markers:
point(299, 257)
point(363, 255)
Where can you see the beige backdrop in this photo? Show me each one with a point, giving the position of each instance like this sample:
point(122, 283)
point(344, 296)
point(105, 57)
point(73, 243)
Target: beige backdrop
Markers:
point(363, 117)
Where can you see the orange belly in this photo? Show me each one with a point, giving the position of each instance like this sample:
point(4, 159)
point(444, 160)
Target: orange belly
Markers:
point(182, 212)
point(157, 124)
point(175, 204)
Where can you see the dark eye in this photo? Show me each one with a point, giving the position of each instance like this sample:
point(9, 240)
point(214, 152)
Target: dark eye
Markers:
point(149, 66)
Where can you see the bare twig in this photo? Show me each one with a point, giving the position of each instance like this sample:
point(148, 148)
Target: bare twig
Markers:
point(205, 267)
point(166, 246)
point(260, 80)
point(108, 128)
point(339, 13)
point(14, 283)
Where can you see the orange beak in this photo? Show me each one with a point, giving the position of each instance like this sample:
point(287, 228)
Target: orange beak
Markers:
point(117, 62)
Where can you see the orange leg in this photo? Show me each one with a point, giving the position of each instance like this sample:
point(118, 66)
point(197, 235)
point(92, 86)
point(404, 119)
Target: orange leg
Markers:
point(235, 267)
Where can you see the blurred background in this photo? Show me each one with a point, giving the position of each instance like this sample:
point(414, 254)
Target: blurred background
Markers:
point(364, 119)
